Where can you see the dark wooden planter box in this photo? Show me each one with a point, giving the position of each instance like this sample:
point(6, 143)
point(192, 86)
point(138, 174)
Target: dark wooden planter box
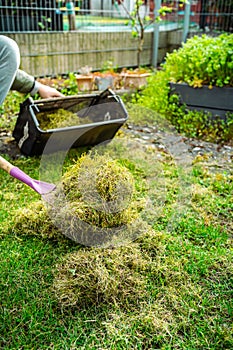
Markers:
point(218, 100)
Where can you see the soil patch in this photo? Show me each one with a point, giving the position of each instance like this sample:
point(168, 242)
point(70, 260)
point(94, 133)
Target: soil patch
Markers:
point(8, 145)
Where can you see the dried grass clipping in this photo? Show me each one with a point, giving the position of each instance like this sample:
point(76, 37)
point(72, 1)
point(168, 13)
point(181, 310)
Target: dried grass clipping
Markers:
point(95, 205)
point(60, 118)
point(96, 202)
point(34, 221)
point(97, 277)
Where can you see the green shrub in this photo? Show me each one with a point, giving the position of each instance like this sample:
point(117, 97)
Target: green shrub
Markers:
point(201, 60)
point(199, 124)
point(155, 95)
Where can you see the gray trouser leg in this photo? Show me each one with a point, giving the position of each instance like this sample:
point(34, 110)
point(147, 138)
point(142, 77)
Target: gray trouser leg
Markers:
point(9, 64)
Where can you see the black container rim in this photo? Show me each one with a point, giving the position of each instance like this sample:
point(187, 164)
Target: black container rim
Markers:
point(34, 106)
point(74, 127)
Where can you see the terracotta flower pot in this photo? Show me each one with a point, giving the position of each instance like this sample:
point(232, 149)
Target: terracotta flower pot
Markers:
point(107, 80)
point(85, 82)
point(134, 80)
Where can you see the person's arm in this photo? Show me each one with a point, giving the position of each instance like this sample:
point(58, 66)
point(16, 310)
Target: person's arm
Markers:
point(26, 83)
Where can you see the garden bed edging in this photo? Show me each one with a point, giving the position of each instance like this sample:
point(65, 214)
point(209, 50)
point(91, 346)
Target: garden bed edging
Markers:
point(216, 100)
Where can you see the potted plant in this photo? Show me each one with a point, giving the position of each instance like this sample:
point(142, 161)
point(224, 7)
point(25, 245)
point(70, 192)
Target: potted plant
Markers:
point(107, 77)
point(85, 79)
point(134, 79)
point(194, 88)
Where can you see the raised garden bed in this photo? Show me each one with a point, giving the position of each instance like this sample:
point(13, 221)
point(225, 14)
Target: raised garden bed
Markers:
point(216, 100)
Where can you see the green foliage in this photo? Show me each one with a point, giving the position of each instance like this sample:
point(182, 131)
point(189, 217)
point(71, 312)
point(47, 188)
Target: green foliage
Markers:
point(70, 85)
point(108, 66)
point(139, 21)
point(202, 60)
point(199, 124)
point(9, 109)
point(45, 23)
point(155, 95)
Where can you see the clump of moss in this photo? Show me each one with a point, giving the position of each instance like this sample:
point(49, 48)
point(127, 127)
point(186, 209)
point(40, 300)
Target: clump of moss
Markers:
point(60, 118)
point(35, 221)
point(96, 202)
point(100, 182)
point(119, 277)
point(97, 277)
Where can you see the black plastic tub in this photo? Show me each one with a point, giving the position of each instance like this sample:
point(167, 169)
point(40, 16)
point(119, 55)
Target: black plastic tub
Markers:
point(106, 113)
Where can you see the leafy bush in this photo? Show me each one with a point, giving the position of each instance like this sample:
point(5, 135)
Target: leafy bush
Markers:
point(155, 95)
point(201, 60)
point(199, 123)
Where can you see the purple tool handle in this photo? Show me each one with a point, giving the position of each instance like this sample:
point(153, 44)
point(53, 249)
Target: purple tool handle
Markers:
point(38, 186)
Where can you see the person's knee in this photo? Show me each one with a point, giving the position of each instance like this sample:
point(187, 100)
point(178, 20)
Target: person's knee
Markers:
point(9, 52)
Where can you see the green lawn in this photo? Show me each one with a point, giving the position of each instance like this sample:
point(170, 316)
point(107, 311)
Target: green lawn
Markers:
point(179, 274)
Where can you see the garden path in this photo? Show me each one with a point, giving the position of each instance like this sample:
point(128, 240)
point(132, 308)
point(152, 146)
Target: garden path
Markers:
point(183, 149)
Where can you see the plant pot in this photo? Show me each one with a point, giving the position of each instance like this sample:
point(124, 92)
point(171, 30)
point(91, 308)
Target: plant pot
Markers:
point(217, 100)
point(105, 82)
point(85, 82)
point(134, 80)
point(57, 83)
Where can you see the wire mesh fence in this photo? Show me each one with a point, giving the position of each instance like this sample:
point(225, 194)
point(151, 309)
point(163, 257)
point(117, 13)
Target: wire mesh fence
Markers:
point(213, 16)
point(54, 15)
point(26, 15)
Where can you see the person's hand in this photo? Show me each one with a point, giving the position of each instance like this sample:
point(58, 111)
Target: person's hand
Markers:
point(46, 91)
